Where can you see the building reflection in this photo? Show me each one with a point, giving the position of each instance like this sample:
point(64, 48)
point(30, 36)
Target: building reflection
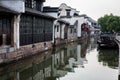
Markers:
point(92, 43)
point(69, 58)
point(50, 65)
point(37, 67)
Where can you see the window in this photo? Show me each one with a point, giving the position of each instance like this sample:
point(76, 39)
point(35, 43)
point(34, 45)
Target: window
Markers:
point(34, 4)
point(57, 28)
point(95, 24)
point(34, 29)
point(75, 31)
point(26, 30)
point(68, 12)
point(58, 14)
point(71, 30)
point(30, 4)
point(48, 27)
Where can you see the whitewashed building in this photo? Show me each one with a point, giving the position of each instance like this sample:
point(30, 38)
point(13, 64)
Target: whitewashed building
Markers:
point(69, 15)
point(93, 26)
point(65, 14)
point(60, 29)
point(76, 21)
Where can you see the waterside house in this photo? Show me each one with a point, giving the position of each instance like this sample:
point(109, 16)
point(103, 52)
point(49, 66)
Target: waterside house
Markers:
point(24, 28)
point(27, 27)
point(76, 21)
point(61, 27)
point(65, 14)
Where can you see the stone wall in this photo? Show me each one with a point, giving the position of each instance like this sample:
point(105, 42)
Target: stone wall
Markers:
point(26, 51)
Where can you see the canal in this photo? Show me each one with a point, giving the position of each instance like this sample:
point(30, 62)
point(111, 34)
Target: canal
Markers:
point(75, 61)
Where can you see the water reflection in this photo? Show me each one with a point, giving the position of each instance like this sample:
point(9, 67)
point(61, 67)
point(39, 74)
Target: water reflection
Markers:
point(76, 58)
point(109, 57)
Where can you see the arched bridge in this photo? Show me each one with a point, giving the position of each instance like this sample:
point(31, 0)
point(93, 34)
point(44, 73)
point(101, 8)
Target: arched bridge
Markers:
point(108, 40)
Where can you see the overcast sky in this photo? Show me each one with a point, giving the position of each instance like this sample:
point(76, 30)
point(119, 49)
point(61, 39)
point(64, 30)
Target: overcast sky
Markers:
point(93, 8)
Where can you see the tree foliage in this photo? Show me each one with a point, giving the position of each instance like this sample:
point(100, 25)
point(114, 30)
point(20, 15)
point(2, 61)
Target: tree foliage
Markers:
point(109, 23)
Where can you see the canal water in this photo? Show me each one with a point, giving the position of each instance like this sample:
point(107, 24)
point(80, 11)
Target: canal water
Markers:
point(75, 61)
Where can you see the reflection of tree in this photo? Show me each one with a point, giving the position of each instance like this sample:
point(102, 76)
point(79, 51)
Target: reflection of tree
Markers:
point(108, 57)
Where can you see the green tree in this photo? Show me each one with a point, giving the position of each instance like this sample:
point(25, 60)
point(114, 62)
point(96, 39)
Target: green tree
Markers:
point(109, 23)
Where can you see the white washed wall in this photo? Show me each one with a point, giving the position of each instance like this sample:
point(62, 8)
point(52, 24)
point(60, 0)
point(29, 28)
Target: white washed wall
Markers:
point(63, 8)
point(72, 20)
point(62, 31)
point(63, 12)
point(80, 22)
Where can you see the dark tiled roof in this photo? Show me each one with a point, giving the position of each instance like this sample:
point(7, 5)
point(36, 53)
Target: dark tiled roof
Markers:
point(38, 13)
point(83, 15)
point(65, 16)
point(50, 9)
point(63, 21)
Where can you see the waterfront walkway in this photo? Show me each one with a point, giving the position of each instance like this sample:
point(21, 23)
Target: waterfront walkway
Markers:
point(117, 39)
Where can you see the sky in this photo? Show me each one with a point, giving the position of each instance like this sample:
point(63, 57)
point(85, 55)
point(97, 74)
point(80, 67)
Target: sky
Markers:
point(93, 8)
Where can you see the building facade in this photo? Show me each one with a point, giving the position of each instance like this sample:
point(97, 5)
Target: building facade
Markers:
point(60, 30)
point(76, 21)
point(93, 26)
point(24, 24)
point(65, 14)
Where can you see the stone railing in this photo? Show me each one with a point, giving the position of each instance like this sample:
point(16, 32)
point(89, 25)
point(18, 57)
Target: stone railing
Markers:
point(117, 37)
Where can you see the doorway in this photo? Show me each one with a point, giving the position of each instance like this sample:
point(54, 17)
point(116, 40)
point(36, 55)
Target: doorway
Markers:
point(5, 30)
